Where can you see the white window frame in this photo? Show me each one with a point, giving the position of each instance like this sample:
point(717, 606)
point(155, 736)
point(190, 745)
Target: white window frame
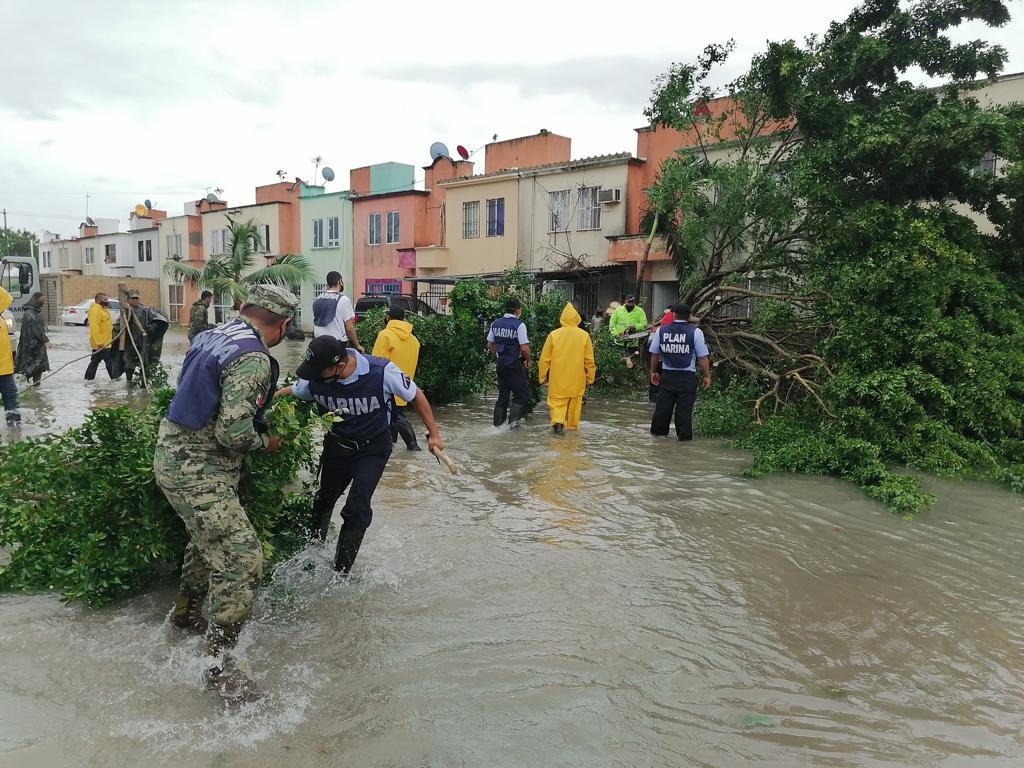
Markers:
point(174, 247)
point(373, 232)
point(494, 204)
point(471, 220)
point(46, 259)
point(394, 222)
point(558, 208)
point(174, 307)
point(318, 233)
point(90, 255)
point(264, 231)
point(333, 232)
point(110, 253)
point(589, 209)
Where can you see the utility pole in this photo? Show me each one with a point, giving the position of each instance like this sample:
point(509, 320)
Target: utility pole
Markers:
point(7, 236)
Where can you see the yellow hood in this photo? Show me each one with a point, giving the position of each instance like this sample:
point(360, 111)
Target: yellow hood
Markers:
point(570, 318)
point(401, 328)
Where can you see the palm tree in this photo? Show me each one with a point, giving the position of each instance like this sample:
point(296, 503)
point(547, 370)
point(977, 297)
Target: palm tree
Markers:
point(231, 274)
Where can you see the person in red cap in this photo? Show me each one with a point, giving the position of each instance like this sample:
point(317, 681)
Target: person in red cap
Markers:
point(360, 390)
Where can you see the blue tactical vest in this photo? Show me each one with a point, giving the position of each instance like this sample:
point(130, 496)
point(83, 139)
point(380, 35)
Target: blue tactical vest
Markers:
point(369, 415)
point(506, 340)
point(676, 341)
point(198, 395)
point(325, 309)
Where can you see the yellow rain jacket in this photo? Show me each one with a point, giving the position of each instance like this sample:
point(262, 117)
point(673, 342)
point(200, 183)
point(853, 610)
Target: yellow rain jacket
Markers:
point(6, 355)
point(567, 360)
point(101, 325)
point(397, 344)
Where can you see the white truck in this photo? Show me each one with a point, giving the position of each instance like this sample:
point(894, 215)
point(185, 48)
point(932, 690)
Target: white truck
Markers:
point(20, 276)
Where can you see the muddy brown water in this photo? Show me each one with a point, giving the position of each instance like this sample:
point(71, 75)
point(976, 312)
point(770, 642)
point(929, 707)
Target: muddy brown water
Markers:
point(595, 599)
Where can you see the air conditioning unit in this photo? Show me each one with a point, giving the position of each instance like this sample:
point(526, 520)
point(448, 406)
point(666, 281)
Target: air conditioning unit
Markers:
point(610, 195)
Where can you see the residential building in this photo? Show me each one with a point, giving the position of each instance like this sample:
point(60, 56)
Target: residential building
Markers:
point(326, 240)
point(393, 221)
point(182, 240)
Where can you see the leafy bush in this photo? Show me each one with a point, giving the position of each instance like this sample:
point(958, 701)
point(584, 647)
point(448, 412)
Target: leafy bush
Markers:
point(80, 512)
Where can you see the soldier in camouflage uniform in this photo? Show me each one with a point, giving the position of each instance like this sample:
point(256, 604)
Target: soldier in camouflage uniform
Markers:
point(140, 335)
point(216, 417)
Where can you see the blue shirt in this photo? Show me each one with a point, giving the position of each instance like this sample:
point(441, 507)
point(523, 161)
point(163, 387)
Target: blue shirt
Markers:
point(699, 347)
point(395, 382)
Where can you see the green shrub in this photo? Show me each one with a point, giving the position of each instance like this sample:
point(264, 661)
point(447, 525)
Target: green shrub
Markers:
point(80, 512)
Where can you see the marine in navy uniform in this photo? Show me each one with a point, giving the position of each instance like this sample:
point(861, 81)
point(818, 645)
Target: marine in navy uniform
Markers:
point(361, 390)
point(508, 341)
point(679, 347)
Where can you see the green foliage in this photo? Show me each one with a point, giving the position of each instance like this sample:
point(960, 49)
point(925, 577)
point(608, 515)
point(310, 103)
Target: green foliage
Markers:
point(453, 360)
point(80, 512)
point(17, 242)
point(612, 374)
point(724, 410)
point(892, 334)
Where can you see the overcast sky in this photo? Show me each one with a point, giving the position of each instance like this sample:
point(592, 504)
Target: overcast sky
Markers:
point(166, 101)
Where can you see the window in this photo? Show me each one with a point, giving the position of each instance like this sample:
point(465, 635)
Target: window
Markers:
point(392, 227)
point(175, 301)
point(373, 230)
point(145, 250)
point(62, 258)
point(496, 217)
point(297, 317)
point(380, 286)
point(174, 247)
point(46, 258)
point(318, 233)
point(558, 205)
point(90, 255)
point(265, 237)
point(471, 220)
point(590, 209)
point(149, 250)
point(333, 232)
point(987, 164)
point(221, 305)
point(218, 241)
point(110, 253)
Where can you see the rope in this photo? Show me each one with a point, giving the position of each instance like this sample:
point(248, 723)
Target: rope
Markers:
point(108, 345)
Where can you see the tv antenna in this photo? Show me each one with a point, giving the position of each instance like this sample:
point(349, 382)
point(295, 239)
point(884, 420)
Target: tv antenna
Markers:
point(281, 174)
point(327, 173)
point(316, 165)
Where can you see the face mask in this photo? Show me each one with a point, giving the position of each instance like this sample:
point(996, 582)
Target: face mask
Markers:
point(105, 302)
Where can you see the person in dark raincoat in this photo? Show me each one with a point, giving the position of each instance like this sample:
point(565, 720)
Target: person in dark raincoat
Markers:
point(32, 360)
point(143, 341)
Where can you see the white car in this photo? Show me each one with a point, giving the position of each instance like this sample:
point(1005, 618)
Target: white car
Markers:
point(8, 321)
point(78, 314)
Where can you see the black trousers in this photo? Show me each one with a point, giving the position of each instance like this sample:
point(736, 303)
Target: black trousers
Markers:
point(676, 394)
point(511, 381)
point(401, 426)
point(101, 355)
point(362, 470)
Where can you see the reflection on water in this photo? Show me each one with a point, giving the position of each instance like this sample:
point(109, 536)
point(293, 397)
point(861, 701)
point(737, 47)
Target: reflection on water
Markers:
point(594, 599)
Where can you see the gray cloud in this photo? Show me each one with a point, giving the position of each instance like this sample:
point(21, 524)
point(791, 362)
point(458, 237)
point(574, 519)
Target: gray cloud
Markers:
point(616, 81)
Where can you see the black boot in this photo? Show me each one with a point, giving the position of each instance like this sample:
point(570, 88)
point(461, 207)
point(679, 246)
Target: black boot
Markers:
point(320, 519)
point(500, 414)
point(349, 542)
point(408, 435)
point(515, 416)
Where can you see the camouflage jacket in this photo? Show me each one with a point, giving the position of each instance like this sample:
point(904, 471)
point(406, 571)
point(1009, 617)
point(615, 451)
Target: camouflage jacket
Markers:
point(187, 456)
point(197, 322)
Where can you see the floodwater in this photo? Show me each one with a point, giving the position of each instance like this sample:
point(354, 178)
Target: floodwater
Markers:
point(595, 599)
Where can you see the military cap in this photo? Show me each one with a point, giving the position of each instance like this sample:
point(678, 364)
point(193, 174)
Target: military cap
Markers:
point(273, 298)
point(133, 293)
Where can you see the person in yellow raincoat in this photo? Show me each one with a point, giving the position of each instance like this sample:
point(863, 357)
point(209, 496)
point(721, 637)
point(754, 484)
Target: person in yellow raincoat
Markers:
point(397, 343)
point(8, 388)
point(567, 366)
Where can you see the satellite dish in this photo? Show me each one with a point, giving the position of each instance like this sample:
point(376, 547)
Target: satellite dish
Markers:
point(437, 149)
point(90, 221)
point(211, 198)
point(327, 173)
point(140, 210)
point(148, 204)
point(463, 152)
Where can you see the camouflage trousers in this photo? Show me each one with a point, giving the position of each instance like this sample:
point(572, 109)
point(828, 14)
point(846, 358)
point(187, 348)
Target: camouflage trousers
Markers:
point(224, 557)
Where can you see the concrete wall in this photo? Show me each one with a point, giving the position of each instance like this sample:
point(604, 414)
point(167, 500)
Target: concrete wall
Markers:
point(544, 249)
point(483, 254)
point(527, 151)
point(326, 258)
point(376, 262)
